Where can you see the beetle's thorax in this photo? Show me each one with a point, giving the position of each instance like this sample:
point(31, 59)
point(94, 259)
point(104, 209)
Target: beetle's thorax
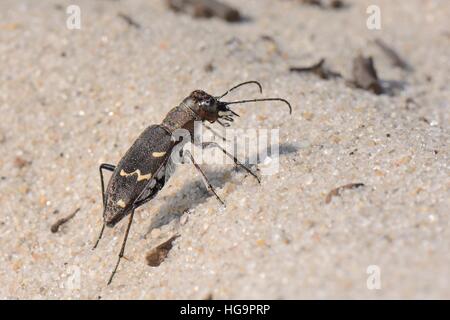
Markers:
point(179, 117)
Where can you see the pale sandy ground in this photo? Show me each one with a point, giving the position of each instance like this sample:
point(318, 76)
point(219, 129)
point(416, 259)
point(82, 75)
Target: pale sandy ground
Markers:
point(70, 100)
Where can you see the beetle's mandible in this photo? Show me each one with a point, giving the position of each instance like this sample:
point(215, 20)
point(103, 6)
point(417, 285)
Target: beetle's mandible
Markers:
point(141, 173)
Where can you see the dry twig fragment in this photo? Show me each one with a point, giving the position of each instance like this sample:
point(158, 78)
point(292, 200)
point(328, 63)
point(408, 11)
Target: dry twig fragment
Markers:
point(205, 9)
point(129, 20)
point(158, 254)
point(55, 227)
point(393, 55)
point(333, 4)
point(319, 69)
point(365, 76)
point(337, 191)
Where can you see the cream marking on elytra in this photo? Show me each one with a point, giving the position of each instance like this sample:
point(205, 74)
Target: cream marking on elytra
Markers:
point(121, 203)
point(158, 154)
point(140, 176)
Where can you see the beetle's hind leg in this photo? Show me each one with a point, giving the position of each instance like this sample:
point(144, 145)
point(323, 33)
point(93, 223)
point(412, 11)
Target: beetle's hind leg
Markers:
point(109, 167)
point(122, 250)
point(206, 145)
point(205, 178)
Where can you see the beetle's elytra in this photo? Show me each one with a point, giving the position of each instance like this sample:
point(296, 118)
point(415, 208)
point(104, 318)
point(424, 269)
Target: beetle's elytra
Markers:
point(141, 172)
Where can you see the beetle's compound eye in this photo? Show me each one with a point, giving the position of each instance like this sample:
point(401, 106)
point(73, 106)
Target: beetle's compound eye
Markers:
point(208, 105)
point(207, 102)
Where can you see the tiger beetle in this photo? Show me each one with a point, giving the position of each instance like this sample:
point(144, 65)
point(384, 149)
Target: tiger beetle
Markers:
point(141, 174)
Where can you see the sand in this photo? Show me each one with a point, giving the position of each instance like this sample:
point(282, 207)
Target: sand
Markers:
point(72, 99)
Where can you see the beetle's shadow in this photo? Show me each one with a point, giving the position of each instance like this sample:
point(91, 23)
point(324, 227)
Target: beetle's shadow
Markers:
point(195, 192)
point(191, 194)
point(393, 87)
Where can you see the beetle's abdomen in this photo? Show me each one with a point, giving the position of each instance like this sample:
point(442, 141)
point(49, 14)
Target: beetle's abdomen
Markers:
point(137, 171)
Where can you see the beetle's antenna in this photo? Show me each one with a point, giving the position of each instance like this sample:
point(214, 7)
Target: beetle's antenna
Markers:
point(266, 99)
point(240, 85)
point(234, 113)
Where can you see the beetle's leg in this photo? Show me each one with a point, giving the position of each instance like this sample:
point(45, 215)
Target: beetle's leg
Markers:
point(99, 236)
point(236, 161)
point(109, 167)
point(205, 178)
point(122, 250)
point(214, 132)
point(223, 124)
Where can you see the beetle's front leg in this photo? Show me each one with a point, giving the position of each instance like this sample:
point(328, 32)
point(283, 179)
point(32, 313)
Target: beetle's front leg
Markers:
point(206, 145)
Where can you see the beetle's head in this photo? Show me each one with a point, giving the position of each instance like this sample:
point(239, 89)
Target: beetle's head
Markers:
point(210, 108)
point(206, 106)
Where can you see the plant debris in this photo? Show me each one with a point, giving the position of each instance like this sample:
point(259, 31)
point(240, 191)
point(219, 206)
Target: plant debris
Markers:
point(425, 120)
point(205, 9)
point(157, 255)
point(55, 227)
point(365, 75)
point(20, 162)
point(410, 101)
point(131, 22)
point(274, 47)
point(337, 191)
point(393, 56)
point(318, 69)
point(333, 4)
point(209, 67)
point(209, 296)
